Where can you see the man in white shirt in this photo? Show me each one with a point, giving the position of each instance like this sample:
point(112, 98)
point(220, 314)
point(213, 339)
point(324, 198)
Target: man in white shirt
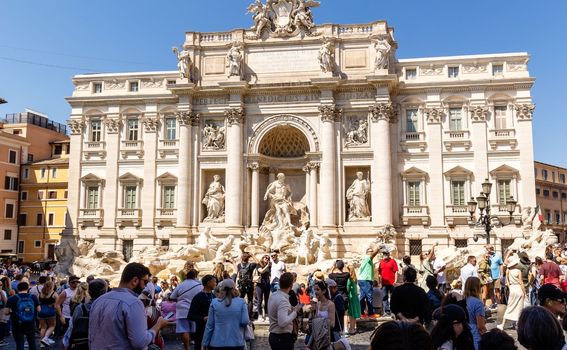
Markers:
point(276, 270)
point(281, 315)
point(469, 270)
point(439, 269)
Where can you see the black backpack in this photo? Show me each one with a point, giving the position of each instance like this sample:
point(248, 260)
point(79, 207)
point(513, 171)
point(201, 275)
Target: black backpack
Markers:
point(244, 279)
point(80, 335)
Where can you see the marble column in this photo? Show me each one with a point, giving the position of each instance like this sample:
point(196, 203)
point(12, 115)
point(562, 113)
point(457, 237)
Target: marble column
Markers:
point(196, 206)
point(327, 217)
point(76, 194)
point(307, 183)
point(234, 178)
point(184, 179)
point(524, 116)
point(255, 195)
point(382, 115)
point(479, 145)
point(313, 194)
point(436, 202)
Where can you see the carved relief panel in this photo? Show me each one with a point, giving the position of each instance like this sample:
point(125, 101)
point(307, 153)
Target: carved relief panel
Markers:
point(356, 130)
point(213, 135)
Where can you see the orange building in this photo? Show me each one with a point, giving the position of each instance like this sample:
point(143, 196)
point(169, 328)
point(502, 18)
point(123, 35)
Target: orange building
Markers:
point(13, 149)
point(551, 194)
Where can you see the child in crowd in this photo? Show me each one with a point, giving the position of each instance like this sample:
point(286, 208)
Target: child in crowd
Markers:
point(377, 296)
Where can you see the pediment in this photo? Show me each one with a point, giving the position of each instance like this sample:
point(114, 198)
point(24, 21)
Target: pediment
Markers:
point(414, 172)
point(458, 171)
point(504, 170)
point(167, 176)
point(90, 177)
point(129, 177)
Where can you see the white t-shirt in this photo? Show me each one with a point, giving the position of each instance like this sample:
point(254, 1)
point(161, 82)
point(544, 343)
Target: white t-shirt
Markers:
point(66, 309)
point(35, 290)
point(439, 263)
point(277, 270)
point(468, 271)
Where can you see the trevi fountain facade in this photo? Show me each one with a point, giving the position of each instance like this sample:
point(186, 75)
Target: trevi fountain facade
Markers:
point(310, 139)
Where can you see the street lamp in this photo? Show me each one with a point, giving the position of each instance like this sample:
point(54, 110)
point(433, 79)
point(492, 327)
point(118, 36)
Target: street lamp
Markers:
point(483, 203)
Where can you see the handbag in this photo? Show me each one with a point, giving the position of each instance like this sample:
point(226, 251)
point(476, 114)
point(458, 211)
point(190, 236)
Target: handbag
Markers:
point(249, 331)
point(257, 278)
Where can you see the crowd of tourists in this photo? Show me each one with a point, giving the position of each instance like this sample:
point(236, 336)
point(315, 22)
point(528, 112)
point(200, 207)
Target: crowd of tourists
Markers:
point(423, 307)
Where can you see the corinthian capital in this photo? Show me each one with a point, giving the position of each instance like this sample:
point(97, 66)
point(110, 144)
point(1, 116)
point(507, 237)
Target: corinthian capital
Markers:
point(183, 118)
point(151, 123)
point(383, 111)
point(112, 125)
point(194, 118)
point(433, 115)
point(330, 113)
point(479, 113)
point(76, 125)
point(234, 116)
point(254, 166)
point(524, 111)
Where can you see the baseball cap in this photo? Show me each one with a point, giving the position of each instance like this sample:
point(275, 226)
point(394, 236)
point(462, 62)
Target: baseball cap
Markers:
point(227, 284)
point(550, 291)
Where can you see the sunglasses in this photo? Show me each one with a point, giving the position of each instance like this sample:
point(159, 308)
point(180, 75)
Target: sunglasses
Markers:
point(74, 282)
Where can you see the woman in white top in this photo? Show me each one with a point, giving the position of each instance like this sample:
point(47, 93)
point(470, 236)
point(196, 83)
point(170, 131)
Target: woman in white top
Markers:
point(323, 307)
point(517, 292)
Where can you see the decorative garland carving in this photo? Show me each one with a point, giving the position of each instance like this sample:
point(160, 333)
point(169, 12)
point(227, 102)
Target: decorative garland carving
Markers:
point(433, 115)
point(112, 125)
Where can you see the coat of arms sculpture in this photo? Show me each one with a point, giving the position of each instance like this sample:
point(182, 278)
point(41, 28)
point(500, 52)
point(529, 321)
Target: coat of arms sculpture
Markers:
point(282, 18)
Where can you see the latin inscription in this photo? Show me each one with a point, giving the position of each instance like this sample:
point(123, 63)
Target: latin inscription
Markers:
point(281, 98)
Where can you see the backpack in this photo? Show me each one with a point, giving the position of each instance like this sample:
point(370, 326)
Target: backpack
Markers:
point(25, 309)
point(79, 339)
point(244, 280)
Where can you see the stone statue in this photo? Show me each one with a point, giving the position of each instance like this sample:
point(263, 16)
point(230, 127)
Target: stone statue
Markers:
point(261, 16)
point(358, 133)
point(234, 59)
point(206, 244)
point(528, 215)
point(65, 254)
point(324, 247)
point(326, 57)
point(305, 246)
point(214, 137)
point(279, 194)
point(386, 239)
point(303, 16)
point(214, 200)
point(183, 63)
point(224, 249)
point(383, 48)
point(356, 196)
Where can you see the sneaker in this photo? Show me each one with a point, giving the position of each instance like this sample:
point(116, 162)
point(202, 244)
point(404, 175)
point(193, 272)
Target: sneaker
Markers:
point(3, 343)
point(500, 327)
point(45, 343)
point(50, 341)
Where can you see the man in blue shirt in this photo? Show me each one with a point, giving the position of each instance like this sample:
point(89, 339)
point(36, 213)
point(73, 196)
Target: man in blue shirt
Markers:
point(495, 267)
point(117, 319)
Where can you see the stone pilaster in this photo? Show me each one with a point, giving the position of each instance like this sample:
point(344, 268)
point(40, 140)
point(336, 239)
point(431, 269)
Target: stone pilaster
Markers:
point(184, 179)
point(234, 178)
point(524, 116)
point(436, 202)
point(382, 114)
point(327, 215)
point(111, 196)
point(195, 119)
point(148, 204)
point(313, 210)
point(77, 127)
point(479, 139)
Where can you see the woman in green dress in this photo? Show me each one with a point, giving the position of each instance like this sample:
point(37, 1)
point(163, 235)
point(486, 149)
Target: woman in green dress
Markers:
point(353, 300)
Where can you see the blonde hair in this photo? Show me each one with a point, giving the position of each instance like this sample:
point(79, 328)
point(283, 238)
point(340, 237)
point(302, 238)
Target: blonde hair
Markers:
point(351, 270)
point(47, 289)
point(81, 293)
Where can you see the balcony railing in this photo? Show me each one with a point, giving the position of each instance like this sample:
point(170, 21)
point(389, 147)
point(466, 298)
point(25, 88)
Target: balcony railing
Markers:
point(502, 134)
point(166, 212)
point(413, 136)
point(415, 213)
point(166, 217)
point(458, 209)
point(413, 140)
point(168, 143)
point(92, 217)
point(136, 144)
point(129, 213)
point(457, 134)
point(415, 210)
point(95, 145)
point(91, 213)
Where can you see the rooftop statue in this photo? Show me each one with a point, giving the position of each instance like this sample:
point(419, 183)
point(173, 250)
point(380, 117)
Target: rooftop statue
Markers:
point(282, 18)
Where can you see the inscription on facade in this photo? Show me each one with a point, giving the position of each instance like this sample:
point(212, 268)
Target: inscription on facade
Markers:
point(283, 61)
point(282, 98)
point(213, 100)
point(355, 95)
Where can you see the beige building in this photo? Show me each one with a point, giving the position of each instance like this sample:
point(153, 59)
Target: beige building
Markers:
point(551, 195)
point(319, 103)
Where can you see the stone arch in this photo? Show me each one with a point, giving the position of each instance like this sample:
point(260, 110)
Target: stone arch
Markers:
point(283, 120)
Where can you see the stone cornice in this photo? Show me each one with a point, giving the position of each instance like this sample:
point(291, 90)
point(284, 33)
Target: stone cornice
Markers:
point(383, 111)
point(234, 116)
point(524, 111)
point(330, 113)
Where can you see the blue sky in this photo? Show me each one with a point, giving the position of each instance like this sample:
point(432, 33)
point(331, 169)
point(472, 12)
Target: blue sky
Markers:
point(122, 36)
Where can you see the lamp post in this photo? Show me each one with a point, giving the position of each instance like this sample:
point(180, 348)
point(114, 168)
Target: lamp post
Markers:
point(483, 203)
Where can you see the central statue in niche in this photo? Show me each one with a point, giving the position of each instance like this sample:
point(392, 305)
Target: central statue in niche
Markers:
point(278, 230)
